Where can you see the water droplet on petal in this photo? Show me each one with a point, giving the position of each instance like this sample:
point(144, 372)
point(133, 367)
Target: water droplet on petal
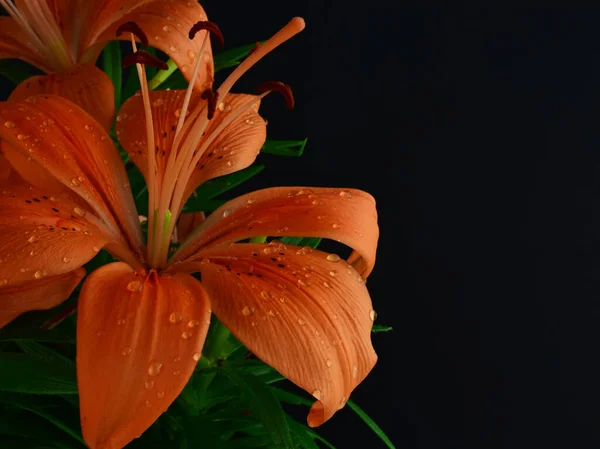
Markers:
point(176, 372)
point(317, 202)
point(175, 318)
point(177, 359)
point(194, 323)
point(373, 315)
point(167, 28)
point(126, 350)
point(247, 311)
point(226, 213)
point(3, 281)
point(327, 284)
point(38, 274)
point(9, 124)
point(301, 322)
point(154, 368)
point(329, 363)
point(33, 239)
point(96, 249)
point(120, 322)
point(75, 182)
point(342, 403)
point(318, 394)
point(333, 273)
point(22, 137)
point(335, 226)
point(196, 356)
point(265, 294)
point(160, 394)
point(303, 283)
point(79, 212)
point(355, 371)
point(149, 384)
point(66, 259)
point(345, 194)
point(333, 258)
point(135, 286)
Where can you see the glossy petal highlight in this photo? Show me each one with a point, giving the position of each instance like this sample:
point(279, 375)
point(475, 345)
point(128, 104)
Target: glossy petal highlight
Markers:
point(306, 313)
point(138, 340)
point(14, 43)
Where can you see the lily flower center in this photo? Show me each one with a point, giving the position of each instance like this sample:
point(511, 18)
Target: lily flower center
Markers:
point(166, 188)
point(39, 23)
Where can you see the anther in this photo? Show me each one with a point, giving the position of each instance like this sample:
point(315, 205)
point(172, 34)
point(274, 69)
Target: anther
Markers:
point(143, 57)
point(133, 28)
point(282, 88)
point(211, 96)
point(211, 27)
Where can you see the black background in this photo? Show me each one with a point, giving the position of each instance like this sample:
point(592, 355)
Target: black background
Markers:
point(476, 131)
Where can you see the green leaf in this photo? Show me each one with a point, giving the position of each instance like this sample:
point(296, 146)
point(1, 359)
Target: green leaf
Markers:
point(302, 435)
point(233, 57)
point(112, 66)
point(66, 423)
point(24, 373)
point(291, 398)
point(39, 432)
point(313, 242)
point(284, 147)
point(217, 186)
point(265, 406)
point(35, 334)
point(46, 354)
point(378, 328)
point(369, 422)
point(17, 71)
point(175, 82)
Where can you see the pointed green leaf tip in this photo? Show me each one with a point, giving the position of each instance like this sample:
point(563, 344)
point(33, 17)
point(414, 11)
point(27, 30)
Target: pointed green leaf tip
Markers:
point(378, 328)
point(293, 148)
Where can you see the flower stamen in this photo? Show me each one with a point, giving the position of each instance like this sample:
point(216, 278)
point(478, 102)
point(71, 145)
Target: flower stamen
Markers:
point(209, 26)
point(279, 87)
point(211, 96)
point(143, 57)
point(133, 28)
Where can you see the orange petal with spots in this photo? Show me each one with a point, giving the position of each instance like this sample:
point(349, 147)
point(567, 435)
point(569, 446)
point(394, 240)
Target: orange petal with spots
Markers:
point(85, 85)
point(138, 340)
point(68, 143)
point(233, 149)
point(345, 215)
point(306, 313)
point(43, 236)
point(14, 43)
point(166, 24)
point(41, 294)
point(187, 223)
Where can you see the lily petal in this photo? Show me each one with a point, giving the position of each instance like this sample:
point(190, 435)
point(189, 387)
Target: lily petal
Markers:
point(38, 295)
point(84, 84)
point(138, 340)
point(43, 236)
point(166, 24)
point(187, 223)
point(235, 148)
point(14, 43)
point(305, 313)
point(73, 148)
point(345, 215)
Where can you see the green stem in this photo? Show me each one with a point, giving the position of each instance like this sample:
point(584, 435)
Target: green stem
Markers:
point(162, 75)
point(217, 345)
point(261, 239)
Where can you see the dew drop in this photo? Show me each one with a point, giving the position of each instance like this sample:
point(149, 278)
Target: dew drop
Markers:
point(66, 259)
point(149, 384)
point(160, 394)
point(148, 404)
point(303, 283)
point(96, 249)
point(75, 182)
point(329, 363)
point(33, 239)
point(167, 28)
point(22, 137)
point(318, 202)
point(355, 371)
point(335, 226)
point(226, 213)
point(186, 335)
point(88, 128)
point(175, 318)
point(333, 273)
point(196, 356)
point(154, 368)
point(126, 350)
point(265, 294)
point(345, 194)
point(192, 55)
point(120, 322)
point(176, 372)
point(173, 49)
point(194, 323)
point(333, 258)
point(342, 403)
point(373, 315)
point(318, 394)
point(79, 212)
point(135, 286)
point(3, 281)
point(327, 284)
point(9, 124)
point(301, 322)
point(38, 274)
point(247, 311)
point(177, 359)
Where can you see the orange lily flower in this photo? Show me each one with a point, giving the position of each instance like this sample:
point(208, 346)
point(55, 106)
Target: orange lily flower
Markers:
point(65, 37)
point(142, 322)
